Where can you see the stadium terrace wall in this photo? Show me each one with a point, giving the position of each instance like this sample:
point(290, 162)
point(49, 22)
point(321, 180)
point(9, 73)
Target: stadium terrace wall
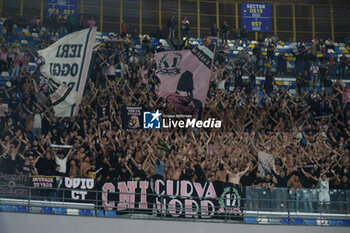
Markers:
point(292, 20)
point(33, 223)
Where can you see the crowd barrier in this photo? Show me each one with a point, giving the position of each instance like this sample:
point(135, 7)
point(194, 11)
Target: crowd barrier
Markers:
point(174, 200)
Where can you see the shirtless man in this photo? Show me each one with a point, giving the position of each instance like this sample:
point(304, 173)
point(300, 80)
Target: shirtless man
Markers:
point(85, 167)
point(176, 171)
point(220, 174)
point(235, 176)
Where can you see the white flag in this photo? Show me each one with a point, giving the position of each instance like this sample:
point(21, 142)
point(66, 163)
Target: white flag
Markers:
point(65, 65)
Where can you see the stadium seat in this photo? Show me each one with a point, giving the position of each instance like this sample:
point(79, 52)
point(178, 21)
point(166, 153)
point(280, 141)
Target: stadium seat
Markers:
point(21, 209)
point(85, 212)
point(345, 222)
point(47, 210)
point(60, 211)
point(251, 220)
point(334, 222)
point(310, 222)
point(298, 221)
point(285, 221)
point(98, 213)
point(111, 214)
point(8, 208)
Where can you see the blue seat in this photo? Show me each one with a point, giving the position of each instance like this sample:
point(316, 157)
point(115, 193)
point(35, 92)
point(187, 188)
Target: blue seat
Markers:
point(105, 34)
point(21, 209)
point(111, 214)
point(310, 222)
point(8, 208)
point(298, 221)
point(334, 222)
point(85, 212)
point(285, 221)
point(345, 222)
point(47, 210)
point(251, 220)
point(60, 211)
point(98, 213)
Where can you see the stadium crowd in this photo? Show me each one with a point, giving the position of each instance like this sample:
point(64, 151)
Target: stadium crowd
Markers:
point(305, 129)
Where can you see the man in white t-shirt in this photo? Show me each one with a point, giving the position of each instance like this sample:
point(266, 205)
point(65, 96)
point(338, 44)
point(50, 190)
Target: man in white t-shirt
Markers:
point(323, 187)
point(323, 195)
point(61, 161)
point(314, 71)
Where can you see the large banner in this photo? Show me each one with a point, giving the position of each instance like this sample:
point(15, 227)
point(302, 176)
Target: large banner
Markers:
point(13, 185)
point(184, 77)
point(40, 181)
point(174, 198)
point(256, 17)
point(79, 189)
point(64, 67)
point(59, 6)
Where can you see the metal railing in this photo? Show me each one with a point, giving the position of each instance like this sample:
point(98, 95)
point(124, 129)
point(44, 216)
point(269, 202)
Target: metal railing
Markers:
point(275, 206)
